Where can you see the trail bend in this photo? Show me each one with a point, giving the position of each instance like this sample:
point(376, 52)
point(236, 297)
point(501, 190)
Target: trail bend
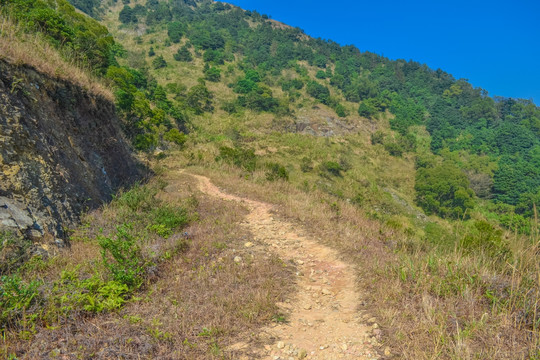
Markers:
point(322, 317)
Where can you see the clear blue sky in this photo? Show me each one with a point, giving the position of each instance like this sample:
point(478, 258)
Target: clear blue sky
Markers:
point(494, 44)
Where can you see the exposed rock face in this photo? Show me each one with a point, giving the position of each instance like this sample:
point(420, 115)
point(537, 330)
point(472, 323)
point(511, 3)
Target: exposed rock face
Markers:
point(61, 152)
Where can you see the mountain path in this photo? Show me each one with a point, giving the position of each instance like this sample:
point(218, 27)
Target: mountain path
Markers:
point(322, 317)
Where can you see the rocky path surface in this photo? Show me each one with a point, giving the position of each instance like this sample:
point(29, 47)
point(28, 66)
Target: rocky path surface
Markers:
point(322, 318)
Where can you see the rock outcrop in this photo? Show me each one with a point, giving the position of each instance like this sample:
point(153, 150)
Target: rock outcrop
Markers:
point(62, 152)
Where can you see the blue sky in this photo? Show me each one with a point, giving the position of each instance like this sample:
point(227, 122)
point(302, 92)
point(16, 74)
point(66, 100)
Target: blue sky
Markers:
point(494, 44)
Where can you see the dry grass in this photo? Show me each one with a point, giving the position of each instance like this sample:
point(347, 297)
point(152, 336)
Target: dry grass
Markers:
point(22, 48)
point(197, 303)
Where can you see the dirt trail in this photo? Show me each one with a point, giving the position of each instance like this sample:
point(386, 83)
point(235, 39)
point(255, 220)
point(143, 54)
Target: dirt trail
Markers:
point(322, 319)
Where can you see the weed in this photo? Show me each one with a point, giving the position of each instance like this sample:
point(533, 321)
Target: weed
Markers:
point(332, 168)
point(13, 252)
point(16, 298)
point(243, 158)
point(138, 198)
point(275, 171)
point(165, 219)
point(122, 256)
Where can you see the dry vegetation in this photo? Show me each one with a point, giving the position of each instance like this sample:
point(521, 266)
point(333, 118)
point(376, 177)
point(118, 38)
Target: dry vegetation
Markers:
point(194, 303)
point(31, 49)
point(433, 301)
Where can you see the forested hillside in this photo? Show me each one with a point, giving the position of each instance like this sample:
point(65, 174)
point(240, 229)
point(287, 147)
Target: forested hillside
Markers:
point(494, 142)
point(428, 185)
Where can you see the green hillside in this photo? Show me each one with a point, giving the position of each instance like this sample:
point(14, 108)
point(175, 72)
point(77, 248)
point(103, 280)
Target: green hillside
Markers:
point(427, 184)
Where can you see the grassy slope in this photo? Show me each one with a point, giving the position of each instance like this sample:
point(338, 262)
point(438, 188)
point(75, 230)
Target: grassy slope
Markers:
point(433, 301)
point(20, 47)
point(440, 301)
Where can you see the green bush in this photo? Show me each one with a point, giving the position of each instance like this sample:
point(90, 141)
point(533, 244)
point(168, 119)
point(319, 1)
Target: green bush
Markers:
point(212, 74)
point(243, 158)
point(175, 136)
point(393, 148)
point(183, 54)
point(159, 62)
point(484, 236)
point(318, 91)
point(332, 168)
point(121, 254)
point(306, 165)
point(275, 171)
point(93, 294)
point(340, 110)
point(16, 298)
point(138, 198)
point(165, 219)
point(377, 137)
point(443, 190)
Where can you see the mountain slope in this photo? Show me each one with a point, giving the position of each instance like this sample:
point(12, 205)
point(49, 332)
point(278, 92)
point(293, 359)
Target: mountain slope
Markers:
point(425, 185)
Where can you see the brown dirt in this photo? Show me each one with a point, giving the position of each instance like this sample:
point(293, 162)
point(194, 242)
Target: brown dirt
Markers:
point(322, 317)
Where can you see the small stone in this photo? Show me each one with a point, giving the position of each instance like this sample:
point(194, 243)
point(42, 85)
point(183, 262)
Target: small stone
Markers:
point(302, 354)
point(375, 326)
point(344, 347)
point(326, 292)
point(280, 345)
point(307, 306)
point(299, 262)
point(387, 351)
point(248, 244)
point(237, 259)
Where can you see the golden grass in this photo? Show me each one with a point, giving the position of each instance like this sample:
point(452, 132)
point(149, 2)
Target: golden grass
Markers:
point(21, 48)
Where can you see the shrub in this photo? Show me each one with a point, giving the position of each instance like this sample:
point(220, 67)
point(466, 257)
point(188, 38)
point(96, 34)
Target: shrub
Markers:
point(122, 256)
point(484, 236)
point(166, 219)
point(16, 298)
point(306, 164)
point(159, 62)
point(366, 110)
point(275, 171)
point(212, 74)
point(138, 198)
point(243, 158)
point(332, 168)
point(92, 294)
point(393, 148)
point(296, 84)
point(175, 136)
point(377, 137)
point(183, 54)
point(319, 92)
point(340, 110)
point(13, 251)
point(443, 190)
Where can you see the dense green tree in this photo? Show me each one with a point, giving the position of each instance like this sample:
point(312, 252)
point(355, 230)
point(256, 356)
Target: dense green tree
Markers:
point(212, 74)
point(443, 190)
point(318, 91)
point(126, 15)
point(183, 54)
point(159, 62)
point(199, 99)
point(175, 30)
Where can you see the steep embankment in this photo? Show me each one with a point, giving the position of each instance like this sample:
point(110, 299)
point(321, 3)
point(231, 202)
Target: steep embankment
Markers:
point(62, 152)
